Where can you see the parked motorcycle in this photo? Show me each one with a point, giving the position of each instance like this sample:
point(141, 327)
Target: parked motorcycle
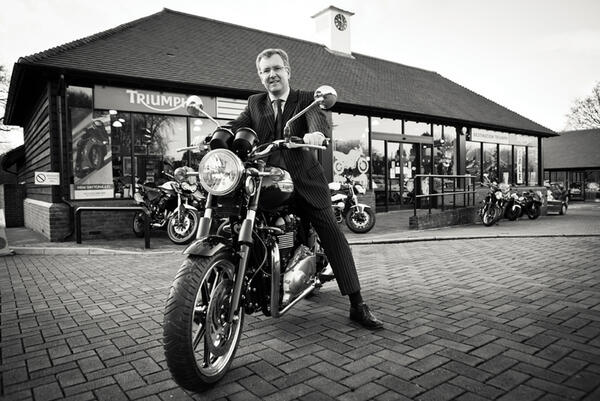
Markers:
point(511, 204)
point(491, 208)
point(173, 206)
point(532, 204)
point(266, 261)
point(184, 220)
point(359, 217)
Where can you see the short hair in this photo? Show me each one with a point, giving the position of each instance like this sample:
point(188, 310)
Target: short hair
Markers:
point(270, 52)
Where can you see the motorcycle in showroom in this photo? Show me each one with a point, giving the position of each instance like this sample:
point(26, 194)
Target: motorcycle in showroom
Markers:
point(173, 206)
point(265, 262)
point(359, 217)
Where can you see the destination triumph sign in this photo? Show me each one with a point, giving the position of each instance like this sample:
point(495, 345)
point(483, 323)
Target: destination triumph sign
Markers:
point(139, 100)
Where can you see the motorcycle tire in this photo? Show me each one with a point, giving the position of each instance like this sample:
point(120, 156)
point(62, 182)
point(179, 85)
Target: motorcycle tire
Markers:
point(534, 212)
point(489, 215)
point(360, 222)
point(512, 214)
point(196, 354)
point(183, 232)
point(138, 224)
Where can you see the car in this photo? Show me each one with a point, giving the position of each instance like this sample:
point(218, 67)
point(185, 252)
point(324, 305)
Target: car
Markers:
point(558, 198)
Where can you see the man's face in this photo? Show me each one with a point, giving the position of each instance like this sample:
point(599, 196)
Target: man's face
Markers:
point(274, 75)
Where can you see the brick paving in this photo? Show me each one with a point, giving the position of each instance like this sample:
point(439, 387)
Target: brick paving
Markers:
point(481, 319)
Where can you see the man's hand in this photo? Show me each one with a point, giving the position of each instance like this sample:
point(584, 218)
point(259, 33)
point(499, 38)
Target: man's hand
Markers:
point(314, 138)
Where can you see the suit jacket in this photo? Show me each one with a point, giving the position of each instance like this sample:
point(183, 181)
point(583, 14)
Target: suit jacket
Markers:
point(306, 171)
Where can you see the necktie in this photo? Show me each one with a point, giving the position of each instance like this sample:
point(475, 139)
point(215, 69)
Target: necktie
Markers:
point(278, 120)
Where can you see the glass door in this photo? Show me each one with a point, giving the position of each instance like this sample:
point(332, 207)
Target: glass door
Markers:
point(402, 164)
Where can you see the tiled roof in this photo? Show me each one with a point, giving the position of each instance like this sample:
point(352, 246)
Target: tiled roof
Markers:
point(572, 149)
point(178, 47)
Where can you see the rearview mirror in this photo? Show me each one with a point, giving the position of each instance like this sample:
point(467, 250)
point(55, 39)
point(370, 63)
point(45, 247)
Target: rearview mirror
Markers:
point(325, 96)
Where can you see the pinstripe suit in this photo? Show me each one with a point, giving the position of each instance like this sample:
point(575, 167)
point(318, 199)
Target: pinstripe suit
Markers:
point(313, 201)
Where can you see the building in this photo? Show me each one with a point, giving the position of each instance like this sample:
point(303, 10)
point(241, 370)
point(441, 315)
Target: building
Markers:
point(107, 109)
point(573, 159)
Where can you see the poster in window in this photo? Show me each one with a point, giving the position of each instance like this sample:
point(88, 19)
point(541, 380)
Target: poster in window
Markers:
point(92, 156)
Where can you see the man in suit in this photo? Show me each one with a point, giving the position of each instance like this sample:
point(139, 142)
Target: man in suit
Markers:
point(267, 114)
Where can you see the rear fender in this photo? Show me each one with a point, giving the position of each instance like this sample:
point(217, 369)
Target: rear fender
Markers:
point(207, 246)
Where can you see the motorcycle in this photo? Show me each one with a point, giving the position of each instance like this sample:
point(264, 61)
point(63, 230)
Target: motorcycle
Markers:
point(172, 206)
point(265, 259)
point(512, 205)
point(359, 217)
point(491, 208)
point(183, 222)
point(92, 148)
point(531, 204)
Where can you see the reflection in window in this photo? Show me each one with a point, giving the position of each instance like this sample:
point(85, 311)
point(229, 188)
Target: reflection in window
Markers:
point(80, 97)
point(473, 159)
point(519, 164)
point(378, 174)
point(417, 129)
point(156, 138)
point(350, 147)
point(199, 129)
point(444, 140)
point(506, 164)
point(386, 125)
point(490, 160)
point(120, 130)
point(532, 165)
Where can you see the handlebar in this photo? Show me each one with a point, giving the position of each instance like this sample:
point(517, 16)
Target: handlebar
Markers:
point(291, 143)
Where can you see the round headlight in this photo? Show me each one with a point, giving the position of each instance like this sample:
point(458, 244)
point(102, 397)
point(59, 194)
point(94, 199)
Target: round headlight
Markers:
point(180, 174)
point(220, 171)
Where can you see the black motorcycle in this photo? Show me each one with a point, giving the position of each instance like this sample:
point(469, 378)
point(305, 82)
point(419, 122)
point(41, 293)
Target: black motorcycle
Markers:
point(359, 217)
point(491, 208)
point(263, 260)
point(91, 149)
point(531, 204)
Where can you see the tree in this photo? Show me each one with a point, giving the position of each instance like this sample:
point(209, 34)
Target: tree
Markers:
point(585, 113)
point(10, 136)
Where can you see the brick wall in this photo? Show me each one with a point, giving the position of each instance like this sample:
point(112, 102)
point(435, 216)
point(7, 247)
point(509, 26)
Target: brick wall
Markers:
point(49, 219)
point(452, 217)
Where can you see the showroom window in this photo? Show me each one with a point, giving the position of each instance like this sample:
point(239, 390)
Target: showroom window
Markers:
point(350, 147)
point(473, 159)
point(505, 175)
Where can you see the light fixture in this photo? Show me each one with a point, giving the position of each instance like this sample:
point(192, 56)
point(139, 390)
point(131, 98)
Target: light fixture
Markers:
point(112, 112)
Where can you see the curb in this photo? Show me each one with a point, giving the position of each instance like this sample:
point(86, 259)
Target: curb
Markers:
point(107, 251)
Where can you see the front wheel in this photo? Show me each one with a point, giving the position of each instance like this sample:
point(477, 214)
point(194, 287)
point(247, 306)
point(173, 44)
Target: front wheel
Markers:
point(360, 222)
point(489, 214)
point(199, 344)
point(534, 212)
point(181, 230)
point(563, 209)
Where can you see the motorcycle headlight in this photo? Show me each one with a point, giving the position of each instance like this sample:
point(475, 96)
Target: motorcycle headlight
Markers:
point(220, 171)
point(498, 194)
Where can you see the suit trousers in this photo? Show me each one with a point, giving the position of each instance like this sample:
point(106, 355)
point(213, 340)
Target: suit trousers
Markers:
point(334, 244)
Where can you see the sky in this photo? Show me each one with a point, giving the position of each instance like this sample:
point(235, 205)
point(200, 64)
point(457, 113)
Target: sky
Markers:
point(534, 57)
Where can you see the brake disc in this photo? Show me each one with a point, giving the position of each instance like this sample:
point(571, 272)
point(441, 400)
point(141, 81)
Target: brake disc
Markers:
point(219, 333)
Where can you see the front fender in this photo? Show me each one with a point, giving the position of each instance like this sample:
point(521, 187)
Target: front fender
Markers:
point(207, 246)
point(360, 207)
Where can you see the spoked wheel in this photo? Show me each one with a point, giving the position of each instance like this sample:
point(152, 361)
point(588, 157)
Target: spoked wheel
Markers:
point(360, 222)
point(199, 344)
point(182, 230)
point(489, 215)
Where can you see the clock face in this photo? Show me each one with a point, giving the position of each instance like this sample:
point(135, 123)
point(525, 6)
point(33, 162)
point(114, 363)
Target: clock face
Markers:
point(340, 22)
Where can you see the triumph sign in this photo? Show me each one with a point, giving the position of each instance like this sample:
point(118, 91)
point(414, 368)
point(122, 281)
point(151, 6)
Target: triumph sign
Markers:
point(138, 100)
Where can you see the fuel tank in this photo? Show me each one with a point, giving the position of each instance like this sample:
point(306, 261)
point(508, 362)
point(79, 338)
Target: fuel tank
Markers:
point(276, 189)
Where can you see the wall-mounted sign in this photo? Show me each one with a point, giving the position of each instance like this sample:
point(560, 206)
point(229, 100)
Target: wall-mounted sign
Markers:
point(46, 178)
point(489, 136)
point(144, 101)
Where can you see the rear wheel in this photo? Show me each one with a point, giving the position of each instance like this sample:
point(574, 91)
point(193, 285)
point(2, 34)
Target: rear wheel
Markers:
point(199, 344)
point(360, 222)
point(138, 224)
